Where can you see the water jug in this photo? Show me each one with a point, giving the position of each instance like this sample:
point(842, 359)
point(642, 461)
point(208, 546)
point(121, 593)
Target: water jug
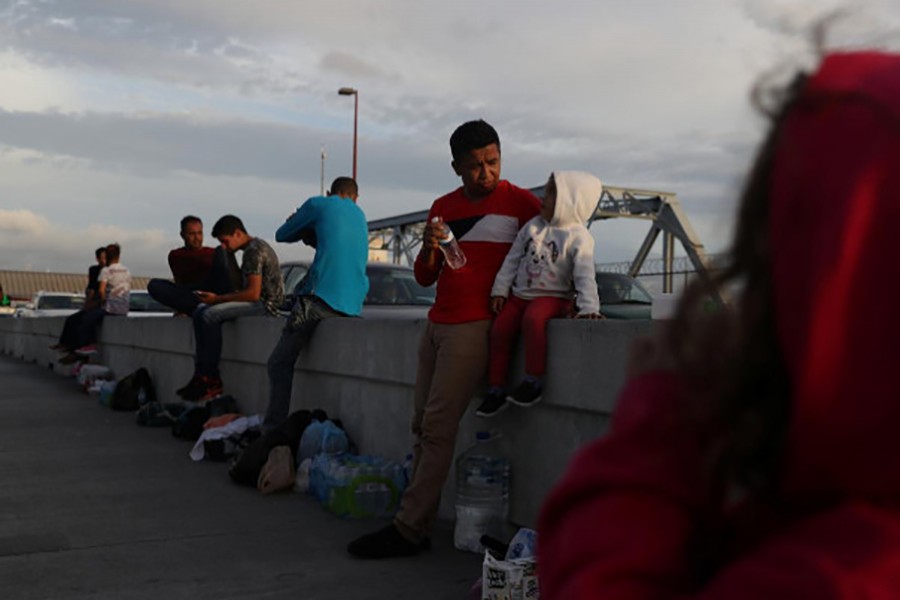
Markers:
point(482, 493)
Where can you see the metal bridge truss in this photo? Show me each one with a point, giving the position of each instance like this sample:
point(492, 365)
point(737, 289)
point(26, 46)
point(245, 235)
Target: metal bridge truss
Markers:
point(402, 235)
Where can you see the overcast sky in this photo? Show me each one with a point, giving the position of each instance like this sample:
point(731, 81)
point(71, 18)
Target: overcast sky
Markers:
point(118, 117)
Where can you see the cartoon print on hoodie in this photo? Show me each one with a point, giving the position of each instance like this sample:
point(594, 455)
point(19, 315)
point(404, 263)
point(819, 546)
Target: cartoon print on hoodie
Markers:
point(556, 258)
point(539, 259)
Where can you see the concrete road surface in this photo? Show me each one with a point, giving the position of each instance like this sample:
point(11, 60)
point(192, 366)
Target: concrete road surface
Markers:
point(94, 506)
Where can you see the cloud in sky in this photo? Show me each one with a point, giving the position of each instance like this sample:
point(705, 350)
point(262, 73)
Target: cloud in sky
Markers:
point(119, 116)
point(22, 222)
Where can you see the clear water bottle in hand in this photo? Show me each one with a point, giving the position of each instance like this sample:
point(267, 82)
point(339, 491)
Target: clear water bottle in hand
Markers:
point(453, 254)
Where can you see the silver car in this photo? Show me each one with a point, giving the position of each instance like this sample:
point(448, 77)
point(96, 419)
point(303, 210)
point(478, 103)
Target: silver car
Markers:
point(393, 291)
point(623, 296)
point(142, 304)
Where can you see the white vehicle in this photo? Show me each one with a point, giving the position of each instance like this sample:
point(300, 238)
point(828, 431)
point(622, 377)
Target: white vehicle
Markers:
point(51, 304)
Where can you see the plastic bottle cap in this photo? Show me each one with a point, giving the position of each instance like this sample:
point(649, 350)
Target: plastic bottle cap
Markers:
point(482, 435)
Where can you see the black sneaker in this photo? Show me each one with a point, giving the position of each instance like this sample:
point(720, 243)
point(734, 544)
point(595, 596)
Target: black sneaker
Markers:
point(386, 543)
point(191, 389)
point(527, 394)
point(494, 402)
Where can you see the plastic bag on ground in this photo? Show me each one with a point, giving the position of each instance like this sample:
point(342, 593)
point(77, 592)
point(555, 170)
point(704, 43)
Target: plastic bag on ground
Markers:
point(278, 473)
point(322, 436)
point(514, 579)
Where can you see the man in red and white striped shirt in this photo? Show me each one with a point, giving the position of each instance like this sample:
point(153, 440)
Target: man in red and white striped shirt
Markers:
point(484, 214)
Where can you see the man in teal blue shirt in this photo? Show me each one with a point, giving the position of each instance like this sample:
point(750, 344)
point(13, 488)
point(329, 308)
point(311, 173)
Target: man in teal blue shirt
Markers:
point(335, 285)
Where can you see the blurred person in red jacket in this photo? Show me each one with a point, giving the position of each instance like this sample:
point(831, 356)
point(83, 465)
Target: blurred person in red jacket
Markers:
point(753, 452)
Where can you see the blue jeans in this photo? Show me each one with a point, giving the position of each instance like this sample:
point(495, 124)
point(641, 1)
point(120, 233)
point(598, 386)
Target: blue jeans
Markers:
point(306, 314)
point(208, 319)
point(223, 277)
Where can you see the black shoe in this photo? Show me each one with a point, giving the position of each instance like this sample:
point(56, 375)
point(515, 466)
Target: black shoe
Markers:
point(386, 543)
point(191, 389)
point(527, 394)
point(493, 403)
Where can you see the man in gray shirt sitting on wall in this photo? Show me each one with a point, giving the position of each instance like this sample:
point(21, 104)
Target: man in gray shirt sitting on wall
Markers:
point(262, 294)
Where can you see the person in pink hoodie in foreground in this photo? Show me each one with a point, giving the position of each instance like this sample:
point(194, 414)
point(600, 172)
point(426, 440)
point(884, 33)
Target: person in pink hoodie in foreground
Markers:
point(755, 451)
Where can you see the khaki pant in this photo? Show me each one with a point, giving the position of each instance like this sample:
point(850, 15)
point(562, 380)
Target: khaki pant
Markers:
point(452, 366)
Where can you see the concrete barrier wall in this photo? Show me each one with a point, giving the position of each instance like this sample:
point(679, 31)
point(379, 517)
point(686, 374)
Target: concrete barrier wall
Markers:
point(363, 371)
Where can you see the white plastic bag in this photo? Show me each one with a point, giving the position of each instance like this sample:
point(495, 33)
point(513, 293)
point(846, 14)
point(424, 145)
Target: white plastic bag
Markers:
point(514, 579)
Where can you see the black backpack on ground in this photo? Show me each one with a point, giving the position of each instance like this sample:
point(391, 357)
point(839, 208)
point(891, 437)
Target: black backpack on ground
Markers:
point(133, 391)
point(189, 424)
point(157, 414)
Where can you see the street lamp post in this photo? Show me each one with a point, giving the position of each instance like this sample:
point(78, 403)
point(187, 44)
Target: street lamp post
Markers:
point(348, 91)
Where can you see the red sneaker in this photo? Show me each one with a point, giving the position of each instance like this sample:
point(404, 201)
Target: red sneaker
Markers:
point(211, 388)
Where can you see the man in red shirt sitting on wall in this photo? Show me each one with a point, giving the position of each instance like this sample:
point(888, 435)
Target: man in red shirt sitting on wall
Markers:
point(195, 267)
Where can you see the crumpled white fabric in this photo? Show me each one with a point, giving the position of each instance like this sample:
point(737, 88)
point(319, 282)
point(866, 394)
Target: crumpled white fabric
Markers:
point(236, 427)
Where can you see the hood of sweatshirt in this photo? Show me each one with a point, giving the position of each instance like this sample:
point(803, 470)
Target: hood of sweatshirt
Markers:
point(834, 213)
point(577, 195)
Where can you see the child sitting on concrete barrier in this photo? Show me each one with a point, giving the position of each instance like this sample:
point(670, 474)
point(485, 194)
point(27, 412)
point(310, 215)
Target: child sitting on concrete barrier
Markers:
point(551, 259)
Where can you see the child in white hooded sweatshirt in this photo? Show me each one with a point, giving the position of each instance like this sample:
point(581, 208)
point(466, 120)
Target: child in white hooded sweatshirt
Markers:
point(550, 263)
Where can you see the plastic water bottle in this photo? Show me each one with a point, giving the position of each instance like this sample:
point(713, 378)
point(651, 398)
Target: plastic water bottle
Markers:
point(453, 254)
point(482, 493)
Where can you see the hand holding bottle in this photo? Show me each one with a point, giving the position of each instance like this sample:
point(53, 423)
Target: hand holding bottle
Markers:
point(453, 254)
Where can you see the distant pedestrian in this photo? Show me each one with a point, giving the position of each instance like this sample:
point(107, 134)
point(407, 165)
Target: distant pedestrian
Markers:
point(550, 264)
point(261, 293)
point(335, 285)
point(4, 299)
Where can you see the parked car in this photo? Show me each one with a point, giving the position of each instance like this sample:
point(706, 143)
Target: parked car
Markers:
point(623, 296)
point(142, 304)
point(51, 304)
point(393, 291)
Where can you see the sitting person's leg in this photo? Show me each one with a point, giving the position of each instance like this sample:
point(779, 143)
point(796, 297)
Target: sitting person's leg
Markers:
point(305, 315)
point(179, 297)
point(208, 320)
point(504, 333)
point(87, 329)
point(68, 338)
point(534, 334)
